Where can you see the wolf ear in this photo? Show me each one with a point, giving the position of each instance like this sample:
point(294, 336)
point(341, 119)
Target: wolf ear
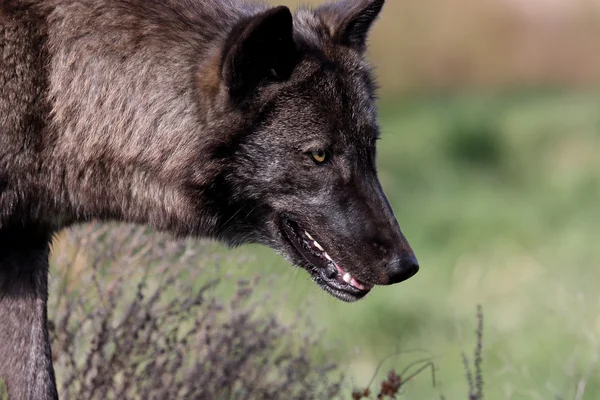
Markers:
point(349, 21)
point(258, 50)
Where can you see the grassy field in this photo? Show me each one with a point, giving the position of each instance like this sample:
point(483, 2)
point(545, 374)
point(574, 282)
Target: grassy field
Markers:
point(498, 196)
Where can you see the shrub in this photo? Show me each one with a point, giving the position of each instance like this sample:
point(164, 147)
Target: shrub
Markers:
point(476, 141)
point(137, 316)
point(137, 325)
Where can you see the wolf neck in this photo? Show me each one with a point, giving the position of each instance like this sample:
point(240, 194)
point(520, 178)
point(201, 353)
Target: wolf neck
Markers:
point(133, 122)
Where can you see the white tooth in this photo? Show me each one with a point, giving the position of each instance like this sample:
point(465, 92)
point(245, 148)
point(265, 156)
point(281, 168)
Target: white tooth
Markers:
point(347, 278)
point(308, 235)
point(318, 246)
point(327, 256)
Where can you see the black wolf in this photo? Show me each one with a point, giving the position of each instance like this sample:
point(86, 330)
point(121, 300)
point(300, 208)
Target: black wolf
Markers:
point(213, 118)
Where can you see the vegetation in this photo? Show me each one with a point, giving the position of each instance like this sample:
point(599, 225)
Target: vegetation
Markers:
point(137, 324)
point(131, 321)
point(3, 392)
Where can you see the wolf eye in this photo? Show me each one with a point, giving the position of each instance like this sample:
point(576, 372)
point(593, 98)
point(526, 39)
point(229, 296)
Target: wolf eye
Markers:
point(319, 156)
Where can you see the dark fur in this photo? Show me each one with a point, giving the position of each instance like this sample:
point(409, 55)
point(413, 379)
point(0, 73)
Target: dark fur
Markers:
point(196, 117)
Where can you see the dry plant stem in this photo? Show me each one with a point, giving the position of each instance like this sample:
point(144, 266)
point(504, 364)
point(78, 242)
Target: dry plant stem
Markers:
point(469, 374)
point(475, 380)
point(391, 386)
point(397, 353)
point(479, 355)
point(427, 363)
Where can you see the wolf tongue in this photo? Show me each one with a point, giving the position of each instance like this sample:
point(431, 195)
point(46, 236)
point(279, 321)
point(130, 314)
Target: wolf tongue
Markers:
point(346, 277)
point(357, 284)
point(349, 279)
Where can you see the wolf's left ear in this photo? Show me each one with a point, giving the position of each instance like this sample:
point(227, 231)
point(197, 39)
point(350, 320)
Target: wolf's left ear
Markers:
point(259, 50)
point(349, 21)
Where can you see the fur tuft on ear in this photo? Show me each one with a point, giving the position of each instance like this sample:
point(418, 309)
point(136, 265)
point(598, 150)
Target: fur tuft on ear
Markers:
point(259, 50)
point(350, 21)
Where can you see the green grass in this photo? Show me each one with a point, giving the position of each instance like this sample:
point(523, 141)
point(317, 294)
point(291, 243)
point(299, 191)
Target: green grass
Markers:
point(499, 197)
point(3, 392)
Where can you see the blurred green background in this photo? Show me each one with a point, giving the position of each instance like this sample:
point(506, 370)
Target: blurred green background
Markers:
point(490, 115)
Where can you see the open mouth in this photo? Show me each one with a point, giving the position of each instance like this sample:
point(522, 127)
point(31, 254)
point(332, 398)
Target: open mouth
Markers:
point(324, 270)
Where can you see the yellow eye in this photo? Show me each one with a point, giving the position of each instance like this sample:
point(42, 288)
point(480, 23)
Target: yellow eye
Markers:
point(320, 156)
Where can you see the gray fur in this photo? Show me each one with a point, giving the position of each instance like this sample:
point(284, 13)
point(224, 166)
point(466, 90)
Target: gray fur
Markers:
point(195, 117)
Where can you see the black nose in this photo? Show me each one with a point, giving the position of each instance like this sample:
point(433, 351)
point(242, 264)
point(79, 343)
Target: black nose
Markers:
point(402, 269)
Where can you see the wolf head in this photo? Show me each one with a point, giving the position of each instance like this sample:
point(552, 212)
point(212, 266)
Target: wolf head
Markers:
point(302, 160)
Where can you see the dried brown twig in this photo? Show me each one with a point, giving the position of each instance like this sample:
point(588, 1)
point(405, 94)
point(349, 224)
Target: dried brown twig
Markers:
point(394, 382)
point(475, 378)
point(390, 387)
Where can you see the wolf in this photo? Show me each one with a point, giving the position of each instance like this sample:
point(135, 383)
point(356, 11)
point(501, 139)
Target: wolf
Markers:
point(235, 121)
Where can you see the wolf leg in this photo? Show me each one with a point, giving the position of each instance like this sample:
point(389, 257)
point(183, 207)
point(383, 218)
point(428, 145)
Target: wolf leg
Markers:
point(25, 356)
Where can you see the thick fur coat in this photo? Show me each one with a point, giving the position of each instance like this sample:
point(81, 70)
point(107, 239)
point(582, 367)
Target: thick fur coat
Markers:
point(214, 118)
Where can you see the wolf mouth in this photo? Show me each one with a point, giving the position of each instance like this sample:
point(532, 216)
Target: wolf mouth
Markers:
point(324, 270)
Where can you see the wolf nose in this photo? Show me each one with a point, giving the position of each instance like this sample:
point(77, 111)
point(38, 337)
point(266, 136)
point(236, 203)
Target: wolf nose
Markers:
point(401, 269)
